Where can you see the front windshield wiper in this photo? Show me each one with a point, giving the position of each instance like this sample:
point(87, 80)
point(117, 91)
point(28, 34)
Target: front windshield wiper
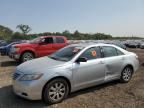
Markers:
point(55, 58)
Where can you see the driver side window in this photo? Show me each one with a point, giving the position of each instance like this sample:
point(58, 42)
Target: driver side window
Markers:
point(48, 40)
point(92, 53)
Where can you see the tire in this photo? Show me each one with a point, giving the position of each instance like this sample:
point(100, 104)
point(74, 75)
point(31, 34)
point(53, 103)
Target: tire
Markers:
point(55, 91)
point(26, 56)
point(126, 74)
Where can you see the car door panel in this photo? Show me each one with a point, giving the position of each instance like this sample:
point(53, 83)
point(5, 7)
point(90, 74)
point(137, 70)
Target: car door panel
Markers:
point(113, 62)
point(44, 50)
point(113, 67)
point(88, 73)
point(59, 42)
point(58, 46)
point(45, 47)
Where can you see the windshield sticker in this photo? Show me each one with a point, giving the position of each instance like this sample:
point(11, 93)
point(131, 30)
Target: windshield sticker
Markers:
point(93, 53)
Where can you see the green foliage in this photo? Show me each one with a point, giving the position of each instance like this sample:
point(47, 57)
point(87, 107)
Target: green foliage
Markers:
point(77, 35)
point(16, 35)
point(5, 32)
point(19, 36)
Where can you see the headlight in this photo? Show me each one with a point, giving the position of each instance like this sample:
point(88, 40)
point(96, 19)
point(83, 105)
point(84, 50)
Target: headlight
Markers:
point(29, 77)
point(16, 49)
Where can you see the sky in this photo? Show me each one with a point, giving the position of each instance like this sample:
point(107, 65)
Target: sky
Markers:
point(115, 17)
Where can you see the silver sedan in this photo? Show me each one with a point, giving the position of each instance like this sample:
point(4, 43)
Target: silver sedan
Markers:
point(72, 68)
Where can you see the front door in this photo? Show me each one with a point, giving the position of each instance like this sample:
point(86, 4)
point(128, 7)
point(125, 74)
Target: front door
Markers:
point(45, 47)
point(91, 72)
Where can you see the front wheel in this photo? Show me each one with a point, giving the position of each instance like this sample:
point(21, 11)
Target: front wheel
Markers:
point(55, 91)
point(26, 57)
point(126, 74)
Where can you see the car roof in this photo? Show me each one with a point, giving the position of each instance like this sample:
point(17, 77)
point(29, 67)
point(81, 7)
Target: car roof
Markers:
point(91, 44)
point(51, 36)
point(88, 45)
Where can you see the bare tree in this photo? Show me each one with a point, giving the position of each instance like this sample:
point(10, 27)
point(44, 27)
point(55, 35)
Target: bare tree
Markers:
point(24, 28)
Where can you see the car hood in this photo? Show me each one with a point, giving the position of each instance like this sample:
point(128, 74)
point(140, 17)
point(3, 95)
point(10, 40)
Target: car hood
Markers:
point(39, 65)
point(23, 44)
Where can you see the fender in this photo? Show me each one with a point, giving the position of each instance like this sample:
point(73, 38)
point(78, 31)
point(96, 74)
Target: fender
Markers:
point(28, 49)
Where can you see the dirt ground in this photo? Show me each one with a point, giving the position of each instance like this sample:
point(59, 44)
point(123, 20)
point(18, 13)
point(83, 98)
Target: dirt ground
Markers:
point(109, 95)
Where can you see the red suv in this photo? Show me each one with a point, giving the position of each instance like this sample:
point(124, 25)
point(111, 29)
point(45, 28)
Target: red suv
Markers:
point(41, 46)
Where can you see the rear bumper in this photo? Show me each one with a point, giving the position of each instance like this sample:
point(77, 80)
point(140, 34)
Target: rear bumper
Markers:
point(136, 65)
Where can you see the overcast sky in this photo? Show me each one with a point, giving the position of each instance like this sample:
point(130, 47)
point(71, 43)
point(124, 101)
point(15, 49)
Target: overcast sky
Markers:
point(116, 17)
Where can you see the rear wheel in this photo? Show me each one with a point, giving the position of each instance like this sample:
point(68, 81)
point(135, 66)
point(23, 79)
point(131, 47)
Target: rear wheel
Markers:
point(126, 74)
point(55, 91)
point(26, 56)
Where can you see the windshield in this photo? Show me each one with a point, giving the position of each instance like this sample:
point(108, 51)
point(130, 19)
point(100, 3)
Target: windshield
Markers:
point(66, 54)
point(35, 41)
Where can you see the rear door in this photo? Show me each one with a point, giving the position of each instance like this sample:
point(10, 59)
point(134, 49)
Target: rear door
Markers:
point(45, 47)
point(113, 60)
point(59, 43)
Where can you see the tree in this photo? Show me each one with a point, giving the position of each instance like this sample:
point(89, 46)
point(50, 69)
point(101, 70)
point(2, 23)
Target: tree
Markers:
point(76, 32)
point(17, 35)
point(5, 33)
point(66, 33)
point(24, 28)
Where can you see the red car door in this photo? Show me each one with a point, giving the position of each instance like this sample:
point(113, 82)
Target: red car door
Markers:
point(59, 43)
point(45, 47)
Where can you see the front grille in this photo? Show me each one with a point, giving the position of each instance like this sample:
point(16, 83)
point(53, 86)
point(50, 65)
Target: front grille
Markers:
point(15, 76)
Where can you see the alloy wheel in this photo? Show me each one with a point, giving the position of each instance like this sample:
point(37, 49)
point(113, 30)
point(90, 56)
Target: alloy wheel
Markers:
point(127, 73)
point(57, 91)
point(27, 56)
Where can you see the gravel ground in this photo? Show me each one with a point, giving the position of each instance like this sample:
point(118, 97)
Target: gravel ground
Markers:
point(109, 95)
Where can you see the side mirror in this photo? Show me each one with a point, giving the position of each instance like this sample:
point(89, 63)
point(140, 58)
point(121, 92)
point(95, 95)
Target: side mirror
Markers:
point(42, 42)
point(81, 59)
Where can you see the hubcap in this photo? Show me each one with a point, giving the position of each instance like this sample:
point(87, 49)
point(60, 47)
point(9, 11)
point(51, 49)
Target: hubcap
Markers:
point(27, 56)
point(57, 91)
point(127, 74)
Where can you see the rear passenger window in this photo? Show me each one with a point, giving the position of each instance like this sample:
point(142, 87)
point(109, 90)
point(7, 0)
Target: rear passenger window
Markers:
point(109, 51)
point(92, 53)
point(59, 40)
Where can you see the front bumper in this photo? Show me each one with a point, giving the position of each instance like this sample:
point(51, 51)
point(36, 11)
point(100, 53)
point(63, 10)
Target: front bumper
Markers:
point(14, 56)
point(31, 90)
